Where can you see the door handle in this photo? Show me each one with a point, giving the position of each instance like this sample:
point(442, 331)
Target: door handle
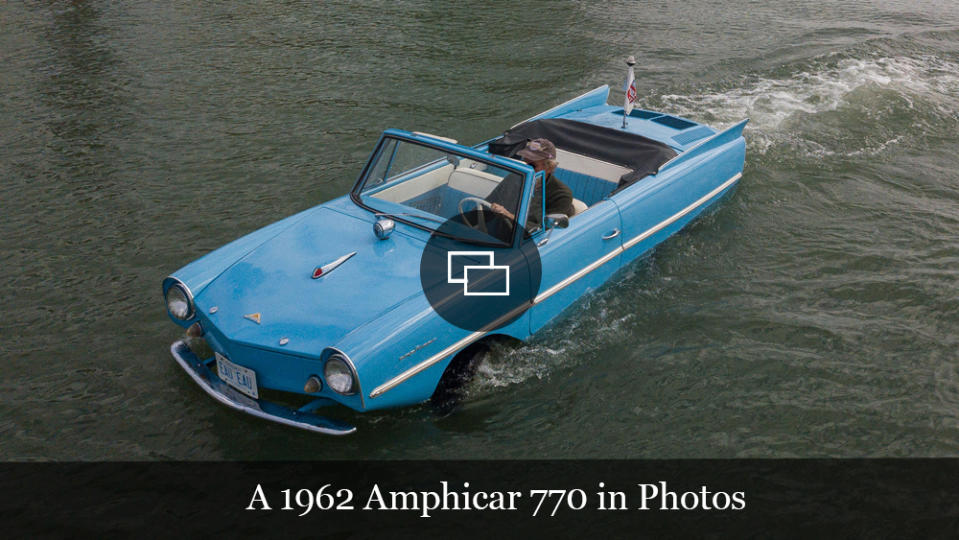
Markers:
point(611, 234)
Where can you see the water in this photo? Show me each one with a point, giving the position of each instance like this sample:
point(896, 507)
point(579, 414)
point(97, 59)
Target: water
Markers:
point(813, 314)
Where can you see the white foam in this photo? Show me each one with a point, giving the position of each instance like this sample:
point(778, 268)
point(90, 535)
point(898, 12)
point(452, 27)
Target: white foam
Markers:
point(517, 365)
point(509, 365)
point(770, 102)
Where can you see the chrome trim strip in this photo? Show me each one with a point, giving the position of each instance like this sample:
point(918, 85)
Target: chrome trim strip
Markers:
point(568, 281)
point(392, 383)
point(217, 389)
point(402, 377)
point(702, 200)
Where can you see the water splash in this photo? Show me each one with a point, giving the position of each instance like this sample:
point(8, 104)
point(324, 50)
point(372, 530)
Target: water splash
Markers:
point(865, 91)
point(599, 315)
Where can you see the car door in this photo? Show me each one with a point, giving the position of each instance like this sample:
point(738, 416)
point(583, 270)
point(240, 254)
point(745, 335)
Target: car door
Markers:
point(576, 260)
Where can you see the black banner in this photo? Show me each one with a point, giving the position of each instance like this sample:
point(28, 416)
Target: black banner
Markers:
point(714, 498)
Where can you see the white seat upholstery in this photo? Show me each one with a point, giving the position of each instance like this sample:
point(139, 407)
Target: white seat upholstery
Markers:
point(590, 166)
point(474, 181)
point(479, 183)
point(579, 207)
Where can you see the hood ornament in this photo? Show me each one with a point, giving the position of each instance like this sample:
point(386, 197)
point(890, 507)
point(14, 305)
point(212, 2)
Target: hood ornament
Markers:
point(255, 317)
point(320, 271)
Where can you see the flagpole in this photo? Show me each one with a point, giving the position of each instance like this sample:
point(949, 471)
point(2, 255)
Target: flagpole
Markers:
point(629, 81)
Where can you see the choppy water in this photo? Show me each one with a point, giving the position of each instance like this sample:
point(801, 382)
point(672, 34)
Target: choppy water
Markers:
point(813, 314)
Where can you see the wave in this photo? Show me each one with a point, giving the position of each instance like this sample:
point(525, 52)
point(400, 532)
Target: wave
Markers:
point(604, 315)
point(866, 92)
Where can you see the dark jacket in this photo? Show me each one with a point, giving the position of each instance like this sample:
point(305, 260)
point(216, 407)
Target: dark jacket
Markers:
point(559, 198)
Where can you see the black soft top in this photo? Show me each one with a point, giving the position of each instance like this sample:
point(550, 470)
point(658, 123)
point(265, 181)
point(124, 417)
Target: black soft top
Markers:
point(644, 156)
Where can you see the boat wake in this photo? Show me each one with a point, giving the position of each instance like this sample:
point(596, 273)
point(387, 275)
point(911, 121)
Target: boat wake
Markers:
point(599, 315)
point(834, 104)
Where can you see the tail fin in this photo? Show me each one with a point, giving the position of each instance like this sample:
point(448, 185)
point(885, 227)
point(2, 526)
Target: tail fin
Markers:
point(717, 140)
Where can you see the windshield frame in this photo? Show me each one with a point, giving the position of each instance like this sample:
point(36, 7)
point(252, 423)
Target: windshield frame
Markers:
point(512, 165)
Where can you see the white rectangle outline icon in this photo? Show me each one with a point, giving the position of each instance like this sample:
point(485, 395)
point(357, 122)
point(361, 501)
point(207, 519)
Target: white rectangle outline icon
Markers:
point(449, 264)
point(466, 270)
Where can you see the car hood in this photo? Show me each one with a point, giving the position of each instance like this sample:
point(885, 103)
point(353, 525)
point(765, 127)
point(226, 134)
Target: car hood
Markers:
point(275, 280)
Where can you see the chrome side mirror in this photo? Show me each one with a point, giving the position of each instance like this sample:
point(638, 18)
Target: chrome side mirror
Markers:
point(383, 228)
point(557, 221)
point(553, 221)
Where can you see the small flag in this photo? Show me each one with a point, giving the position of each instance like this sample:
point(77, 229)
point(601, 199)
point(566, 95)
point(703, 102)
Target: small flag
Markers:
point(629, 88)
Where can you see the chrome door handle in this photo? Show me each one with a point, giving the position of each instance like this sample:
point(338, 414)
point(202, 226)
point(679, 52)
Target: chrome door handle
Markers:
point(611, 234)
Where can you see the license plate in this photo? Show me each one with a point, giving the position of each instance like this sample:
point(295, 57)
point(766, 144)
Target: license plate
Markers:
point(239, 377)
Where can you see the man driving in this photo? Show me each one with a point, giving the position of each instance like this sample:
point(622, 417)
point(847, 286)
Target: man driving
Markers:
point(541, 155)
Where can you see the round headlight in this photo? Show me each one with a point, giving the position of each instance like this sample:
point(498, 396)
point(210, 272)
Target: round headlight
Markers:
point(339, 376)
point(179, 303)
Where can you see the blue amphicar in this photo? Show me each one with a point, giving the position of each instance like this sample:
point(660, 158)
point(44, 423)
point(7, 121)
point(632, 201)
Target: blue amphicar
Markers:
point(389, 295)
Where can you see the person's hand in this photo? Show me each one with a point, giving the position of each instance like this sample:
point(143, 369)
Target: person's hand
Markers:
point(499, 209)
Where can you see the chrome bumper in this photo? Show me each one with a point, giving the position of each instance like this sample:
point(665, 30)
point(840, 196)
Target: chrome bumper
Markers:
point(230, 397)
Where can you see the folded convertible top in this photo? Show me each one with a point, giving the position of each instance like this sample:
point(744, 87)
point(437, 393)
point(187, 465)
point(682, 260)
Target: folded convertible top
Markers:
point(643, 155)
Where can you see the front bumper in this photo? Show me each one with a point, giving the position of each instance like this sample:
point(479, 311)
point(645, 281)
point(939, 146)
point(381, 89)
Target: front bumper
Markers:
point(225, 394)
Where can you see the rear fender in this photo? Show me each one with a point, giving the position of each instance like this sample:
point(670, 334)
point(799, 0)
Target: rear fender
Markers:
point(707, 145)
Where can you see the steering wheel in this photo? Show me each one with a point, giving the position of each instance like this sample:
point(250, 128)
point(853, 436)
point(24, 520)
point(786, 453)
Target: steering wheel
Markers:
point(480, 203)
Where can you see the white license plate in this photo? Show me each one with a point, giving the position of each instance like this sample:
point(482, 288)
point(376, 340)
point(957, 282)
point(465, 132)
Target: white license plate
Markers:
point(239, 377)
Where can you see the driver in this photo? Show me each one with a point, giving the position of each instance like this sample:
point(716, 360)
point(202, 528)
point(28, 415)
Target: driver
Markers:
point(541, 155)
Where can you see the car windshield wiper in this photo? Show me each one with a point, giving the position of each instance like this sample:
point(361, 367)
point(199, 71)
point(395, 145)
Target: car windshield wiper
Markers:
point(444, 234)
point(421, 216)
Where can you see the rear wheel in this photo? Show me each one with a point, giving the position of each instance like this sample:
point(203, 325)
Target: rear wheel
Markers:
point(452, 386)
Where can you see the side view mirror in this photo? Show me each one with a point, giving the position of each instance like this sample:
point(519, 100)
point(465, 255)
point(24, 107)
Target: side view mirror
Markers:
point(556, 221)
point(553, 221)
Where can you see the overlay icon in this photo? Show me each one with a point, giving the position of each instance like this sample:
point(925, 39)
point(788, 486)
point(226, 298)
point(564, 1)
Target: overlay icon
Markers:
point(478, 280)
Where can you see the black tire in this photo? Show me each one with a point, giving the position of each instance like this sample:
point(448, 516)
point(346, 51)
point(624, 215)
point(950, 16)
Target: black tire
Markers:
point(452, 386)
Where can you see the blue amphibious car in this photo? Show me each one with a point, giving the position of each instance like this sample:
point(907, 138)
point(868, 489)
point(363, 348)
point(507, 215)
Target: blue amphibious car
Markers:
point(382, 297)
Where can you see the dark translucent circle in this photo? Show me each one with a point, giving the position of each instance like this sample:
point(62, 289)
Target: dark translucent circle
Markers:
point(474, 286)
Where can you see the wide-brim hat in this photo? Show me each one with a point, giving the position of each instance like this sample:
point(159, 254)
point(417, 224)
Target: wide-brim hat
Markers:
point(538, 149)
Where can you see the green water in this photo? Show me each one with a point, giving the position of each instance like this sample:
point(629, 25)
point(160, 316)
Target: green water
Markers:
point(815, 313)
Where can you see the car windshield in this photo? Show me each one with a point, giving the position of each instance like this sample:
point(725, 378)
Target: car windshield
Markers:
point(471, 200)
